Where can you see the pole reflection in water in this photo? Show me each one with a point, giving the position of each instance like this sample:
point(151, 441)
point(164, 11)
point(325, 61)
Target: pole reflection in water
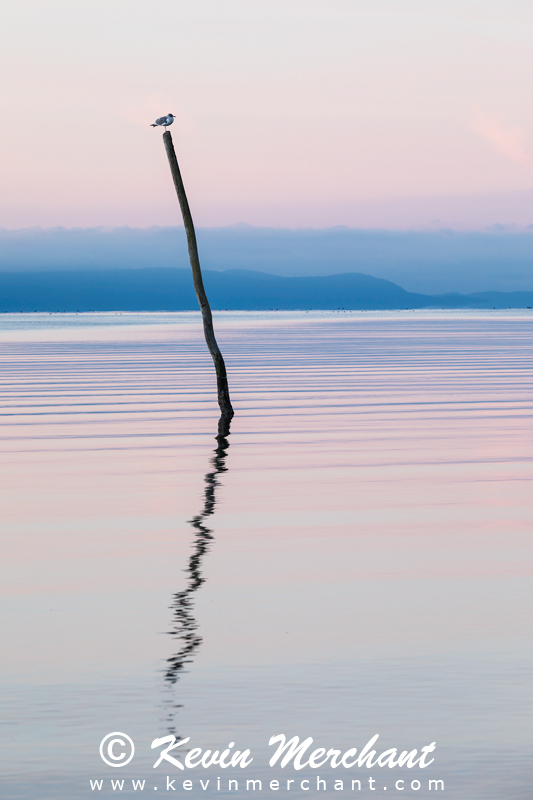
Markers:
point(184, 625)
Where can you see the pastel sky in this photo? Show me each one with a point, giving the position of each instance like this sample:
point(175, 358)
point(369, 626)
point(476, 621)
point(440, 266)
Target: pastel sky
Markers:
point(293, 113)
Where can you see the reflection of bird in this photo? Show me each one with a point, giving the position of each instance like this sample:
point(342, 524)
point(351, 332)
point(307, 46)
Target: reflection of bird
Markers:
point(168, 120)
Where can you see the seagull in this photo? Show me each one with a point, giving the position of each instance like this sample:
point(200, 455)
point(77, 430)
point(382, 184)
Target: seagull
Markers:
point(168, 120)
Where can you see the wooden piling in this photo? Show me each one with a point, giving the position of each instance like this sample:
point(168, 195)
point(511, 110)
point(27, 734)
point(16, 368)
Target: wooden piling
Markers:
point(224, 401)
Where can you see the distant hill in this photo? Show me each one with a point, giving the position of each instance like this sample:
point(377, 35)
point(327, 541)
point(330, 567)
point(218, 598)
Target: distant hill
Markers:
point(169, 289)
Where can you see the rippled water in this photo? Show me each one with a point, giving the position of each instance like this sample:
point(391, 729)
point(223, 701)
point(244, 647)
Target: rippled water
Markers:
point(354, 559)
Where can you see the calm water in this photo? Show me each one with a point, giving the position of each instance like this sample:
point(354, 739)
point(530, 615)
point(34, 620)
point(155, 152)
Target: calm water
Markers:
point(355, 559)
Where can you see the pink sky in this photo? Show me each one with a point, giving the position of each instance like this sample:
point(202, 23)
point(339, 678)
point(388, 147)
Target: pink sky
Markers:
point(304, 113)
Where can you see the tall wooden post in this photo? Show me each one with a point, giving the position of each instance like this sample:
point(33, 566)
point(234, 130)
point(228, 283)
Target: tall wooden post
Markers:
point(224, 401)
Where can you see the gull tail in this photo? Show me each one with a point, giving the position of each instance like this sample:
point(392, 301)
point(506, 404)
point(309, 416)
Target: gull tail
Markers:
point(153, 125)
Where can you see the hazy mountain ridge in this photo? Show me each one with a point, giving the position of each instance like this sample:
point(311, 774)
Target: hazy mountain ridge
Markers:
point(171, 289)
point(429, 262)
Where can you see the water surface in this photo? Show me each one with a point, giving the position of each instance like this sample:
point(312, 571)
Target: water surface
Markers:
point(354, 559)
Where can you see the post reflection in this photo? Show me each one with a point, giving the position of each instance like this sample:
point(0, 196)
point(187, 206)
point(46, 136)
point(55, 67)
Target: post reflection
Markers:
point(184, 625)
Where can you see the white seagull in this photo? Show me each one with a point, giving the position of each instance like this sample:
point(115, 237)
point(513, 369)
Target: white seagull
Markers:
point(168, 120)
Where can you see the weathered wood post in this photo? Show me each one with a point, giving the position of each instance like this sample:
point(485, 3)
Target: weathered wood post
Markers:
point(224, 401)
